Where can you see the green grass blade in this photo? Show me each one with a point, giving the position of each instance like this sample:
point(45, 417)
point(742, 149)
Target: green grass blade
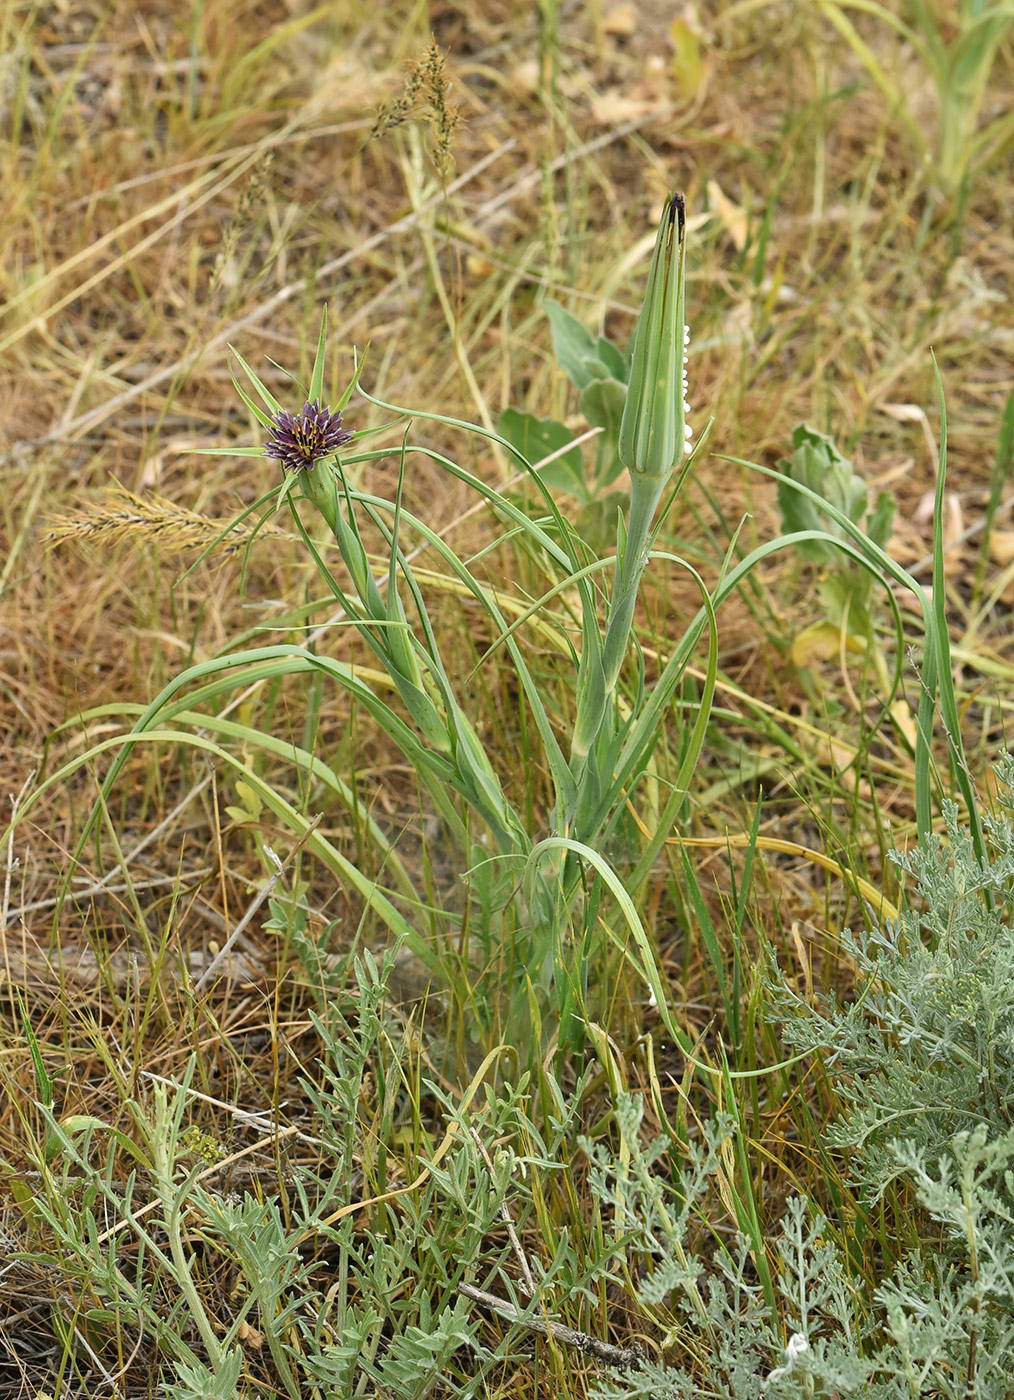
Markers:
point(645, 965)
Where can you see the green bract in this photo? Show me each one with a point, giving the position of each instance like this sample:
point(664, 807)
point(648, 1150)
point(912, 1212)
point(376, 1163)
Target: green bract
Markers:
point(653, 431)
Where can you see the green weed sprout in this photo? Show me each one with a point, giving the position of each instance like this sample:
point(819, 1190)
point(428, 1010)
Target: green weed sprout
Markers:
point(845, 591)
point(958, 57)
point(599, 372)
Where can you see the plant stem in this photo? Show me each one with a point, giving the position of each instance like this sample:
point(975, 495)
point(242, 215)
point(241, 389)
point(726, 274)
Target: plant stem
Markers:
point(645, 494)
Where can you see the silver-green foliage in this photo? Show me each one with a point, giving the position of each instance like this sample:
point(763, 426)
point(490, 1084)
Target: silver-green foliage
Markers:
point(729, 1340)
point(845, 591)
point(922, 1056)
point(941, 1325)
point(139, 1254)
point(921, 1052)
point(925, 1047)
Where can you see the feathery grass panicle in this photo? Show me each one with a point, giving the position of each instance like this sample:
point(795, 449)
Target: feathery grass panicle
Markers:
point(121, 517)
point(426, 93)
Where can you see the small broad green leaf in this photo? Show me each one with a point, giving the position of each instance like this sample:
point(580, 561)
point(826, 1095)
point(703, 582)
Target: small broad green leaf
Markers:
point(572, 344)
point(288, 914)
point(614, 360)
point(252, 806)
point(829, 473)
point(595, 368)
point(880, 521)
point(538, 439)
point(845, 593)
point(798, 514)
point(602, 404)
point(817, 464)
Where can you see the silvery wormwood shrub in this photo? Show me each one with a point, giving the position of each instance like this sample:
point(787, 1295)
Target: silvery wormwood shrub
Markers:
point(941, 1324)
point(922, 1058)
point(924, 1048)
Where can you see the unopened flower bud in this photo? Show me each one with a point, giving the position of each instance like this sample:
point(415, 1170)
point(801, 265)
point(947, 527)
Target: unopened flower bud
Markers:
point(653, 431)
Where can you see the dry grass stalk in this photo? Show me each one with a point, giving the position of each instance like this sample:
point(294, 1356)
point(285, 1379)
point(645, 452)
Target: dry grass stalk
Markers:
point(426, 93)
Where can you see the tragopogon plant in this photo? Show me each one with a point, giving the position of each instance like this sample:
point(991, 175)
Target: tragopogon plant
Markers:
point(549, 923)
point(549, 941)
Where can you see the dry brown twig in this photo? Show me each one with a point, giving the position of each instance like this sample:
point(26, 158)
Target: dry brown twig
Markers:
point(505, 1216)
point(628, 1358)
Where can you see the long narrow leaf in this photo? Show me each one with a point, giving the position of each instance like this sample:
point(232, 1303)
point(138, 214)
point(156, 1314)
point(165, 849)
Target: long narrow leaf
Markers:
point(646, 965)
point(372, 893)
point(316, 393)
point(267, 397)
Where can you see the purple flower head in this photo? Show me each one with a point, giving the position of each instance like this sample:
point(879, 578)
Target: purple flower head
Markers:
point(300, 441)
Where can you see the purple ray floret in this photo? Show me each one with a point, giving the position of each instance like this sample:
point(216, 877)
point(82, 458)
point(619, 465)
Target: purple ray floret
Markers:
point(300, 440)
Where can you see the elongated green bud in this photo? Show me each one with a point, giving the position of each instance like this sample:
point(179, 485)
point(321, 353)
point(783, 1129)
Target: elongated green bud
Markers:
point(653, 430)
